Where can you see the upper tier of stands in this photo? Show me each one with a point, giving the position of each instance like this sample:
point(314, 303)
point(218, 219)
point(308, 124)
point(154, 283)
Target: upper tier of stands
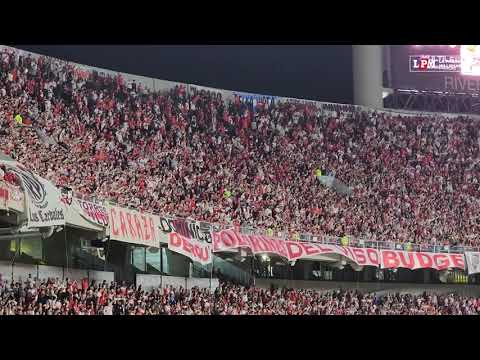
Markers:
point(215, 156)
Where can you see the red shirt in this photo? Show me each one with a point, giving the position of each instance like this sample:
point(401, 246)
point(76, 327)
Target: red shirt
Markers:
point(10, 177)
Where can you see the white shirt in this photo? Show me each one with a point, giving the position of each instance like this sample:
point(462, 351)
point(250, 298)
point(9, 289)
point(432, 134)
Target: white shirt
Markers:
point(107, 310)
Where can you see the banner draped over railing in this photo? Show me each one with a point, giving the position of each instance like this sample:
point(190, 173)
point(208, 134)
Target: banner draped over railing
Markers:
point(131, 226)
point(295, 250)
point(43, 200)
point(187, 237)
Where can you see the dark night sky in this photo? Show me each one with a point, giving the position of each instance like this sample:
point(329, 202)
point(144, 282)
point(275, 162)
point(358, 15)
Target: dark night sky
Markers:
point(318, 72)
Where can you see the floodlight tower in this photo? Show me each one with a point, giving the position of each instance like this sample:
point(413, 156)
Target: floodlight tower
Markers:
point(367, 76)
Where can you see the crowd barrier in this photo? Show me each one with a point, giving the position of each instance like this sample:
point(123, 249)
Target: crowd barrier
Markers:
point(149, 282)
point(21, 272)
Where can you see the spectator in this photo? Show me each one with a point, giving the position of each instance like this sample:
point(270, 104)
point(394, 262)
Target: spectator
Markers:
point(56, 297)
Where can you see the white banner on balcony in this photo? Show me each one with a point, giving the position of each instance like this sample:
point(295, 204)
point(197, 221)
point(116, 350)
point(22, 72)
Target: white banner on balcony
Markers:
point(132, 226)
point(44, 204)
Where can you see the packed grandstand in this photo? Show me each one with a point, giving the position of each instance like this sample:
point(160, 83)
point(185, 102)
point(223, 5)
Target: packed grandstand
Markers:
point(290, 169)
point(55, 297)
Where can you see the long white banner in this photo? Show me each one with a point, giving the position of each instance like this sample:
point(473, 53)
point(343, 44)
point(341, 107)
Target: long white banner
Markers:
point(294, 250)
point(44, 204)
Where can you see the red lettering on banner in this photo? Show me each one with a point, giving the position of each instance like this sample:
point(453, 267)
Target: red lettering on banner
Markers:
point(278, 247)
point(255, 244)
point(350, 252)
point(411, 260)
point(90, 212)
point(123, 226)
point(424, 260)
point(373, 256)
point(441, 261)
point(269, 244)
point(145, 226)
point(133, 235)
point(187, 247)
point(228, 239)
point(310, 249)
point(175, 240)
point(139, 227)
point(263, 244)
point(359, 257)
point(204, 254)
point(196, 251)
point(112, 216)
point(282, 249)
point(458, 261)
point(294, 250)
point(242, 241)
point(342, 250)
point(152, 229)
point(389, 259)
point(328, 249)
point(4, 194)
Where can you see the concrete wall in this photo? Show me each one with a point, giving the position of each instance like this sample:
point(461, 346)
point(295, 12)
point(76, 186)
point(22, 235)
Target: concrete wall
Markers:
point(202, 283)
point(22, 272)
point(99, 276)
point(5, 270)
point(75, 274)
point(174, 281)
point(378, 287)
point(151, 281)
point(45, 272)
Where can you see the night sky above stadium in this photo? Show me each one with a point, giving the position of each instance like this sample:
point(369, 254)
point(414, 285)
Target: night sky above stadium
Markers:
point(317, 72)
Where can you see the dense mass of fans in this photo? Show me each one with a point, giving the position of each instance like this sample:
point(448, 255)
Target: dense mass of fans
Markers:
point(67, 297)
point(414, 178)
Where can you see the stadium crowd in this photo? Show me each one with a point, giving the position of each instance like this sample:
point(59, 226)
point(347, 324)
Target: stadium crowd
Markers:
point(197, 155)
point(57, 297)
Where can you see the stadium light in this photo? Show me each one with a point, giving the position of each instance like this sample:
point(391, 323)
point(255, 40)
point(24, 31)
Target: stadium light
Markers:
point(265, 257)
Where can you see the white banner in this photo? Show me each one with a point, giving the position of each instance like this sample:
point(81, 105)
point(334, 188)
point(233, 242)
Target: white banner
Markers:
point(131, 226)
point(94, 213)
point(473, 262)
point(189, 238)
point(44, 204)
point(197, 230)
point(198, 251)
